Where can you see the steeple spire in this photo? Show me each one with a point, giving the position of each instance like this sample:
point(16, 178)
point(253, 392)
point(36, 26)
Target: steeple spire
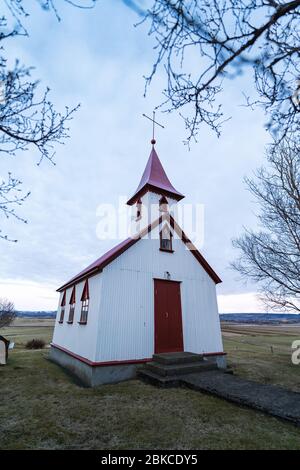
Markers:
point(155, 179)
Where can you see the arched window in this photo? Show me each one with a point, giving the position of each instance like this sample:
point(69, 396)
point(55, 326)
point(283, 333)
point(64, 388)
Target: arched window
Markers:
point(138, 210)
point(163, 204)
point(85, 299)
point(166, 239)
point(72, 306)
point(62, 308)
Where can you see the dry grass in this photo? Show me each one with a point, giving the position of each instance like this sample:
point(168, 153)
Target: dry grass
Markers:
point(42, 408)
point(263, 354)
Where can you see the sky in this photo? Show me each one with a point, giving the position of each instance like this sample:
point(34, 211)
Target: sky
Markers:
point(98, 58)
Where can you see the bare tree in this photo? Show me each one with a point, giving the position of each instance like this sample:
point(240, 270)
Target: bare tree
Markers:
point(271, 257)
point(28, 119)
point(201, 43)
point(7, 312)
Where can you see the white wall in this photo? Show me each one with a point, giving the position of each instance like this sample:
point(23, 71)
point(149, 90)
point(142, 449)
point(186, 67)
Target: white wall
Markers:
point(126, 317)
point(80, 339)
point(121, 313)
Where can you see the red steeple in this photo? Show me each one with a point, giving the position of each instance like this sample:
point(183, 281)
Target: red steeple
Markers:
point(155, 179)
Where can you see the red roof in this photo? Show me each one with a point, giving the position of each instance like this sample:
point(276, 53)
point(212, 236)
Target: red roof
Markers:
point(155, 178)
point(112, 254)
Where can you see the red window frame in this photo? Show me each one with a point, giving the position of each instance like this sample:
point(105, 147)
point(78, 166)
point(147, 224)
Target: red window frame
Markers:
point(168, 247)
point(163, 204)
point(72, 307)
point(85, 298)
point(138, 210)
point(62, 308)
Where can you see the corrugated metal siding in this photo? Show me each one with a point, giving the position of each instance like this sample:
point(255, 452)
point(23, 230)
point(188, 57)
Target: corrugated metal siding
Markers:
point(126, 317)
point(80, 339)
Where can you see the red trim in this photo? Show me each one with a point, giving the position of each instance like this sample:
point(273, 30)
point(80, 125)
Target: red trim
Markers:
point(110, 256)
point(163, 200)
point(115, 252)
point(99, 364)
point(73, 296)
point(161, 239)
point(215, 354)
point(85, 292)
point(115, 363)
point(156, 190)
point(63, 300)
point(194, 251)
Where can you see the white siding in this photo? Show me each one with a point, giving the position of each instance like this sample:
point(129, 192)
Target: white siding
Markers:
point(121, 313)
point(126, 318)
point(80, 339)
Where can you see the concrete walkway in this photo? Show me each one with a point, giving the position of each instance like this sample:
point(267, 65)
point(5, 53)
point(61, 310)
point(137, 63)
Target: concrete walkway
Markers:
point(270, 399)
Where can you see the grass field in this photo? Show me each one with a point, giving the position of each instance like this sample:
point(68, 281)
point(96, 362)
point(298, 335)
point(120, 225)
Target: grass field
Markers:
point(263, 353)
point(43, 408)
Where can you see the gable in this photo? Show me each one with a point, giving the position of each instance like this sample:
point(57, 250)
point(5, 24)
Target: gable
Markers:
point(98, 265)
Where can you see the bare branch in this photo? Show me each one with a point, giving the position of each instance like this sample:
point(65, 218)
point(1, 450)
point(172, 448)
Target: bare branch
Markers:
point(200, 44)
point(7, 312)
point(271, 257)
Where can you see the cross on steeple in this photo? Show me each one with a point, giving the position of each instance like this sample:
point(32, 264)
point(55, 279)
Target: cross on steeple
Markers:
point(153, 141)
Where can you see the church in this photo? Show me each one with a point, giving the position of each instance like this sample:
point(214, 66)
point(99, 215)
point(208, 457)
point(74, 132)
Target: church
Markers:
point(153, 293)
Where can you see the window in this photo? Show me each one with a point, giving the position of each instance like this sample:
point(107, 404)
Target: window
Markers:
point(62, 308)
point(85, 304)
point(62, 314)
point(84, 311)
point(166, 239)
point(138, 210)
point(71, 313)
point(163, 204)
point(72, 306)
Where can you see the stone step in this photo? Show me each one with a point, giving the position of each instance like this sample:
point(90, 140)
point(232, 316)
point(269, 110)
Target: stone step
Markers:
point(154, 379)
point(177, 357)
point(167, 370)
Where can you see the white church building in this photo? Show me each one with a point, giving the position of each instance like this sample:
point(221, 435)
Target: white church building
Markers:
point(152, 293)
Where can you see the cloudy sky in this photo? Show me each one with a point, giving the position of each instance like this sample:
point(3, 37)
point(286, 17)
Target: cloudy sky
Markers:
point(98, 58)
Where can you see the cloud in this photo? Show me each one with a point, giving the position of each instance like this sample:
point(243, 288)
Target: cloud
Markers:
point(240, 303)
point(28, 295)
point(83, 60)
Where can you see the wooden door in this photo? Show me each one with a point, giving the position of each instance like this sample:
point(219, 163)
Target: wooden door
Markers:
point(167, 317)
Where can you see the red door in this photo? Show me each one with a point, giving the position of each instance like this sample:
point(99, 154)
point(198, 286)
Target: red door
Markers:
point(167, 317)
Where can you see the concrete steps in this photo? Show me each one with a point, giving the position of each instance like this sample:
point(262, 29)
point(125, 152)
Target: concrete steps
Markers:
point(167, 369)
point(177, 358)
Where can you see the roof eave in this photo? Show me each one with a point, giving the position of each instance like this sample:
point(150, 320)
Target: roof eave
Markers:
point(98, 269)
point(156, 189)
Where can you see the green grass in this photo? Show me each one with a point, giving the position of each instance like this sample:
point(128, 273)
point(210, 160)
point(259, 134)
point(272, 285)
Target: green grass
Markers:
point(43, 408)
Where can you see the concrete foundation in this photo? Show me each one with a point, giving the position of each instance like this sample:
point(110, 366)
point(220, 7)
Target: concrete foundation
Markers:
point(93, 375)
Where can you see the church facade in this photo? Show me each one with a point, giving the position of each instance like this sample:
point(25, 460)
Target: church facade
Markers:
point(152, 293)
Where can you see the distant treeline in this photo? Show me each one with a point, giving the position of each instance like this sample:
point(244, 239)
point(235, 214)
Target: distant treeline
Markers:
point(275, 318)
point(41, 314)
